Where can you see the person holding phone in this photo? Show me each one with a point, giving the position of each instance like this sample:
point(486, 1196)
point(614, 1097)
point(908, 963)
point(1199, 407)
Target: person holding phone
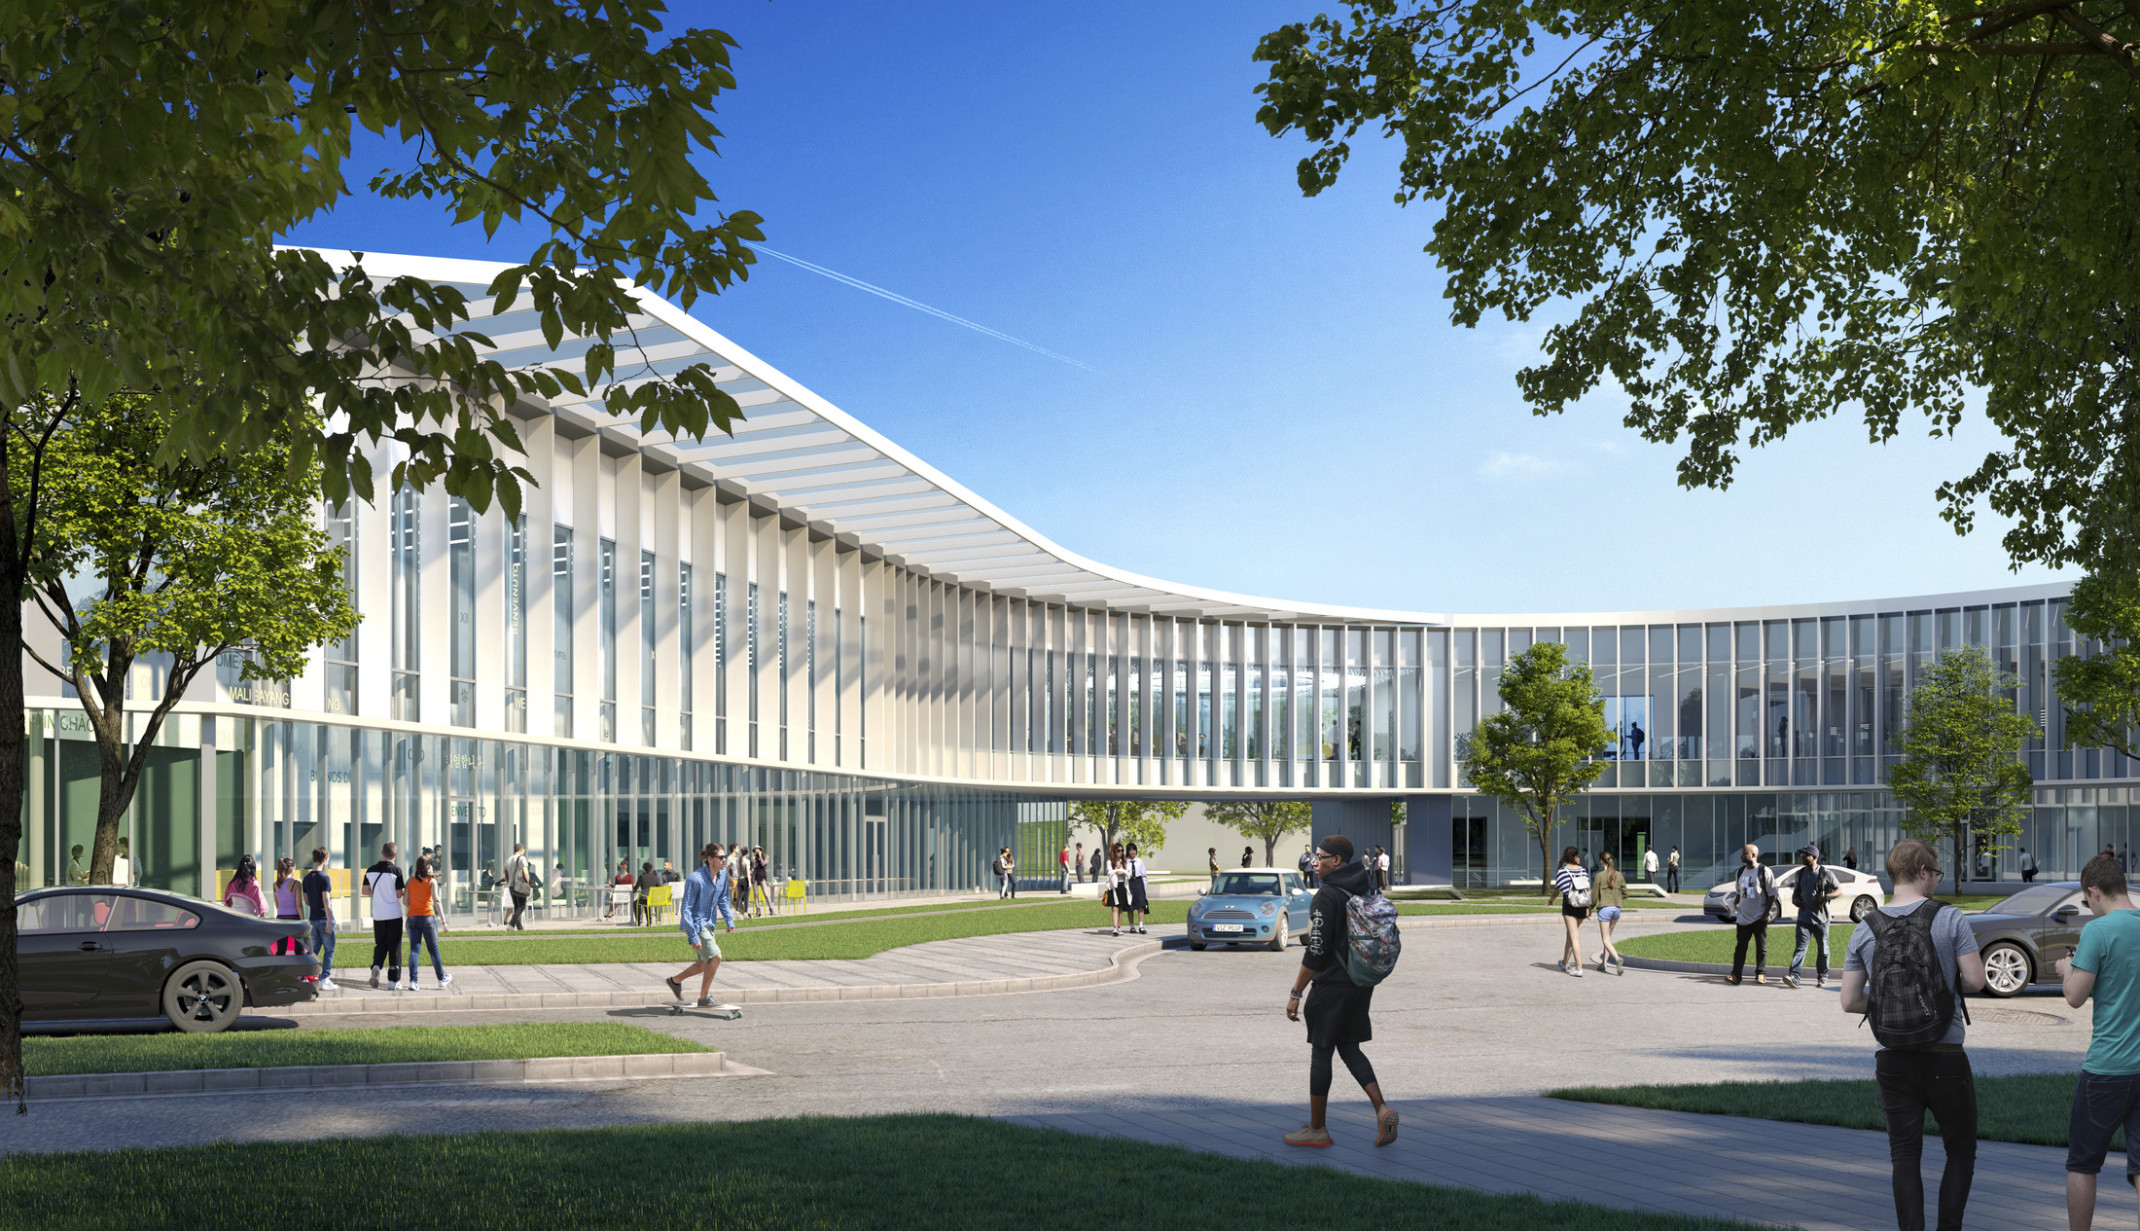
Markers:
point(2104, 967)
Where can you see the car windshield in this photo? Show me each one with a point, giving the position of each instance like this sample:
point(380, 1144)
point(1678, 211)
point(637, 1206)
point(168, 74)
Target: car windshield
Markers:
point(2032, 901)
point(1265, 884)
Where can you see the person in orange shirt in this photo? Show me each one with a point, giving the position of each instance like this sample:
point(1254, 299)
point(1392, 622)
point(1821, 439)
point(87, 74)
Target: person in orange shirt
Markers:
point(423, 925)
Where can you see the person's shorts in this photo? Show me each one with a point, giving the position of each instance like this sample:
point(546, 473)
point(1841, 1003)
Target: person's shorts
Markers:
point(2100, 1105)
point(1577, 913)
point(708, 946)
point(1609, 914)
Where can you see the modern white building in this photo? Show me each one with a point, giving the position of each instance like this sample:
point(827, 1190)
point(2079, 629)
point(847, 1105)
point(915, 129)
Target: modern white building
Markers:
point(804, 638)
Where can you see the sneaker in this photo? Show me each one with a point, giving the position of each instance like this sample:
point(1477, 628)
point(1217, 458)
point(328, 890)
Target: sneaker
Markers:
point(1563, 963)
point(407, 985)
point(1602, 968)
point(1732, 979)
point(1821, 983)
point(707, 1002)
point(1313, 1138)
point(1118, 931)
point(1790, 981)
point(1387, 1124)
point(443, 980)
point(1577, 971)
point(1760, 978)
point(676, 989)
point(329, 985)
point(1619, 966)
point(375, 976)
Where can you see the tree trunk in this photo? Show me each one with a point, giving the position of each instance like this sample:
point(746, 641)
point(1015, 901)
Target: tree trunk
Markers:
point(1270, 851)
point(14, 750)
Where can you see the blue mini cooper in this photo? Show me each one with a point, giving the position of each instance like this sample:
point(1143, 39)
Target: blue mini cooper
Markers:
point(1265, 906)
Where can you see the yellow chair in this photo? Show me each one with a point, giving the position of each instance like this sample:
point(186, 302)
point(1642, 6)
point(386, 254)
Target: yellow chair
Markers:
point(658, 900)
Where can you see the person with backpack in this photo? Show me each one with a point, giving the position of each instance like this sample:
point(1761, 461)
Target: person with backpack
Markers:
point(1906, 969)
point(1571, 882)
point(2106, 966)
point(1338, 1003)
point(1810, 894)
point(1750, 898)
point(1611, 898)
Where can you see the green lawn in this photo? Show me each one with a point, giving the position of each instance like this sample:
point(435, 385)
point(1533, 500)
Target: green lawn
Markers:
point(2030, 1108)
point(1714, 944)
point(848, 939)
point(745, 922)
point(260, 1049)
point(891, 1172)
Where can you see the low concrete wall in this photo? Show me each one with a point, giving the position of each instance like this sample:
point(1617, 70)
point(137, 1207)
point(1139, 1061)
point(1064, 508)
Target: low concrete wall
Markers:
point(325, 1076)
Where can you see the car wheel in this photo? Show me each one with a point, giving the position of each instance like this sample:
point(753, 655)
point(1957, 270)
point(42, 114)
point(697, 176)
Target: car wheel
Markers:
point(2007, 969)
point(1862, 906)
point(203, 997)
point(1279, 937)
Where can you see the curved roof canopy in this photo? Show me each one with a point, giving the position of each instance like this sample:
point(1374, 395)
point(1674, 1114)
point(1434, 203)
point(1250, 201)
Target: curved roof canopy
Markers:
point(820, 464)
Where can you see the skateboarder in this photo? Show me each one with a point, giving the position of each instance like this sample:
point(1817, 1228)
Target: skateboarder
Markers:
point(696, 917)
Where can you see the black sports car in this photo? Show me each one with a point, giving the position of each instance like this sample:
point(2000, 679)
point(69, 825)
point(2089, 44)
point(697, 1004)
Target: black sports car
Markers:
point(97, 957)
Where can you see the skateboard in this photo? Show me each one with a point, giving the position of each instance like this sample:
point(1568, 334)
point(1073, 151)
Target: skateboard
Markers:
point(722, 1012)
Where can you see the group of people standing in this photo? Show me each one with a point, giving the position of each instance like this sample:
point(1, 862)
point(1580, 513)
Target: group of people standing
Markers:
point(1127, 892)
point(1005, 868)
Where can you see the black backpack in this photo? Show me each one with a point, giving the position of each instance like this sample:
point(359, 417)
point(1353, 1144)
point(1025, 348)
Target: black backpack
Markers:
point(1910, 1003)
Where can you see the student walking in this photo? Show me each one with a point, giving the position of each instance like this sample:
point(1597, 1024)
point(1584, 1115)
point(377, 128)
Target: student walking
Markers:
point(317, 889)
point(386, 887)
point(1649, 864)
point(1077, 863)
point(519, 882)
point(1382, 867)
point(1611, 898)
point(1671, 872)
point(1063, 863)
point(422, 897)
point(1810, 894)
point(1749, 899)
point(1211, 859)
point(1571, 881)
point(1338, 1010)
point(703, 890)
point(2028, 867)
point(1099, 863)
point(288, 903)
point(1307, 867)
point(1140, 906)
point(243, 893)
point(760, 895)
point(1906, 969)
point(1118, 887)
point(2105, 966)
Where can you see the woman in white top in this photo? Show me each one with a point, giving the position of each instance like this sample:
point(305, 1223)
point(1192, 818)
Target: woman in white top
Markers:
point(1117, 885)
point(1140, 905)
point(1572, 883)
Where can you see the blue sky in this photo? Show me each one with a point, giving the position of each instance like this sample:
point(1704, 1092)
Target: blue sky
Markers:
point(1274, 400)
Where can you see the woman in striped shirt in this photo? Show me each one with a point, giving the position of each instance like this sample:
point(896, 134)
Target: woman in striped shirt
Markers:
point(1573, 885)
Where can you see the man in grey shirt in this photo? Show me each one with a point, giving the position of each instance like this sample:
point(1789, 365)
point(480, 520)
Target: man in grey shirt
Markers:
point(1934, 1077)
point(1751, 895)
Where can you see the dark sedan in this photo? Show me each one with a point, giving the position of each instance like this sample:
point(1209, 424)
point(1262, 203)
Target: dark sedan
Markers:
point(2023, 935)
point(96, 957)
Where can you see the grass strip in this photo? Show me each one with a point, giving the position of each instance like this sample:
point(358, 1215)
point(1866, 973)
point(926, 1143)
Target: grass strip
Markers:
point(846, 940)
point(818, 1174)
point(1714, 944)
point(2029, 1108)
point(262, 1049)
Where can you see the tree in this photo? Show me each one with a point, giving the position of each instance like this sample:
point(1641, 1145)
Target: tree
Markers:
point(1540, 751)
point(1262, 819)
point(1142, 821)
point(153, 155)
point(2101, 693)
point(1961, 772)
point(187, 561)
point(1767, 213)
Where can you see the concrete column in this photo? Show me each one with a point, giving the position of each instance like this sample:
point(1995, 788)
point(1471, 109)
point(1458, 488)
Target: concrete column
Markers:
point(824, 698)
point(631, 537)
point(585, 459)
point(848, 567)
point(664, 496)
point(538, 505)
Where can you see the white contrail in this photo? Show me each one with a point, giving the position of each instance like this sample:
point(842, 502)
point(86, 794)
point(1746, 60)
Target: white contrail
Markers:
point(917, 305)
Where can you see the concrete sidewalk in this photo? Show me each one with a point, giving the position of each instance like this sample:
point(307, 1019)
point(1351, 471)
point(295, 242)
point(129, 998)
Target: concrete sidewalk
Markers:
point(1803, 1175)
point(967, 966)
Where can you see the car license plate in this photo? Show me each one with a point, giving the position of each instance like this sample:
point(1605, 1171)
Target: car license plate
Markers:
point(1229, 927)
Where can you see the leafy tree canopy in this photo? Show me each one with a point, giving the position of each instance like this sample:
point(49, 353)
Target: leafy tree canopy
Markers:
point(1961, 773)
point(188, 561)
point(1765, 213)
point(1539, 752)
point(2101, 692)
point(1265, 820)
point(1142, 821)
point(153, 153)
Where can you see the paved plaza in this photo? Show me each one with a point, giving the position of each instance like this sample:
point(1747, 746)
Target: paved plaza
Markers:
point(1194, 1050)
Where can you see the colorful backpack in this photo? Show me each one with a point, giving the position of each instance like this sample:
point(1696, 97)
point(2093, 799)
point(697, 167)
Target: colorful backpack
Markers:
point(1371, 944)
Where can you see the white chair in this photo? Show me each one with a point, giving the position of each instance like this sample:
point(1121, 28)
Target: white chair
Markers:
point(620, 901)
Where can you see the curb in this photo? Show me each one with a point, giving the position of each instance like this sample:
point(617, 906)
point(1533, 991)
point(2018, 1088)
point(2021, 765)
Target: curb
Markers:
point(431, 1072)
point(1120, 965)
point(1685, 968)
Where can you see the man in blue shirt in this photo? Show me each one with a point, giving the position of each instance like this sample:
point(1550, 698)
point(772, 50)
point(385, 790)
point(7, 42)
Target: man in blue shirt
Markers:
point(2105, 965)
point(695, 917)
